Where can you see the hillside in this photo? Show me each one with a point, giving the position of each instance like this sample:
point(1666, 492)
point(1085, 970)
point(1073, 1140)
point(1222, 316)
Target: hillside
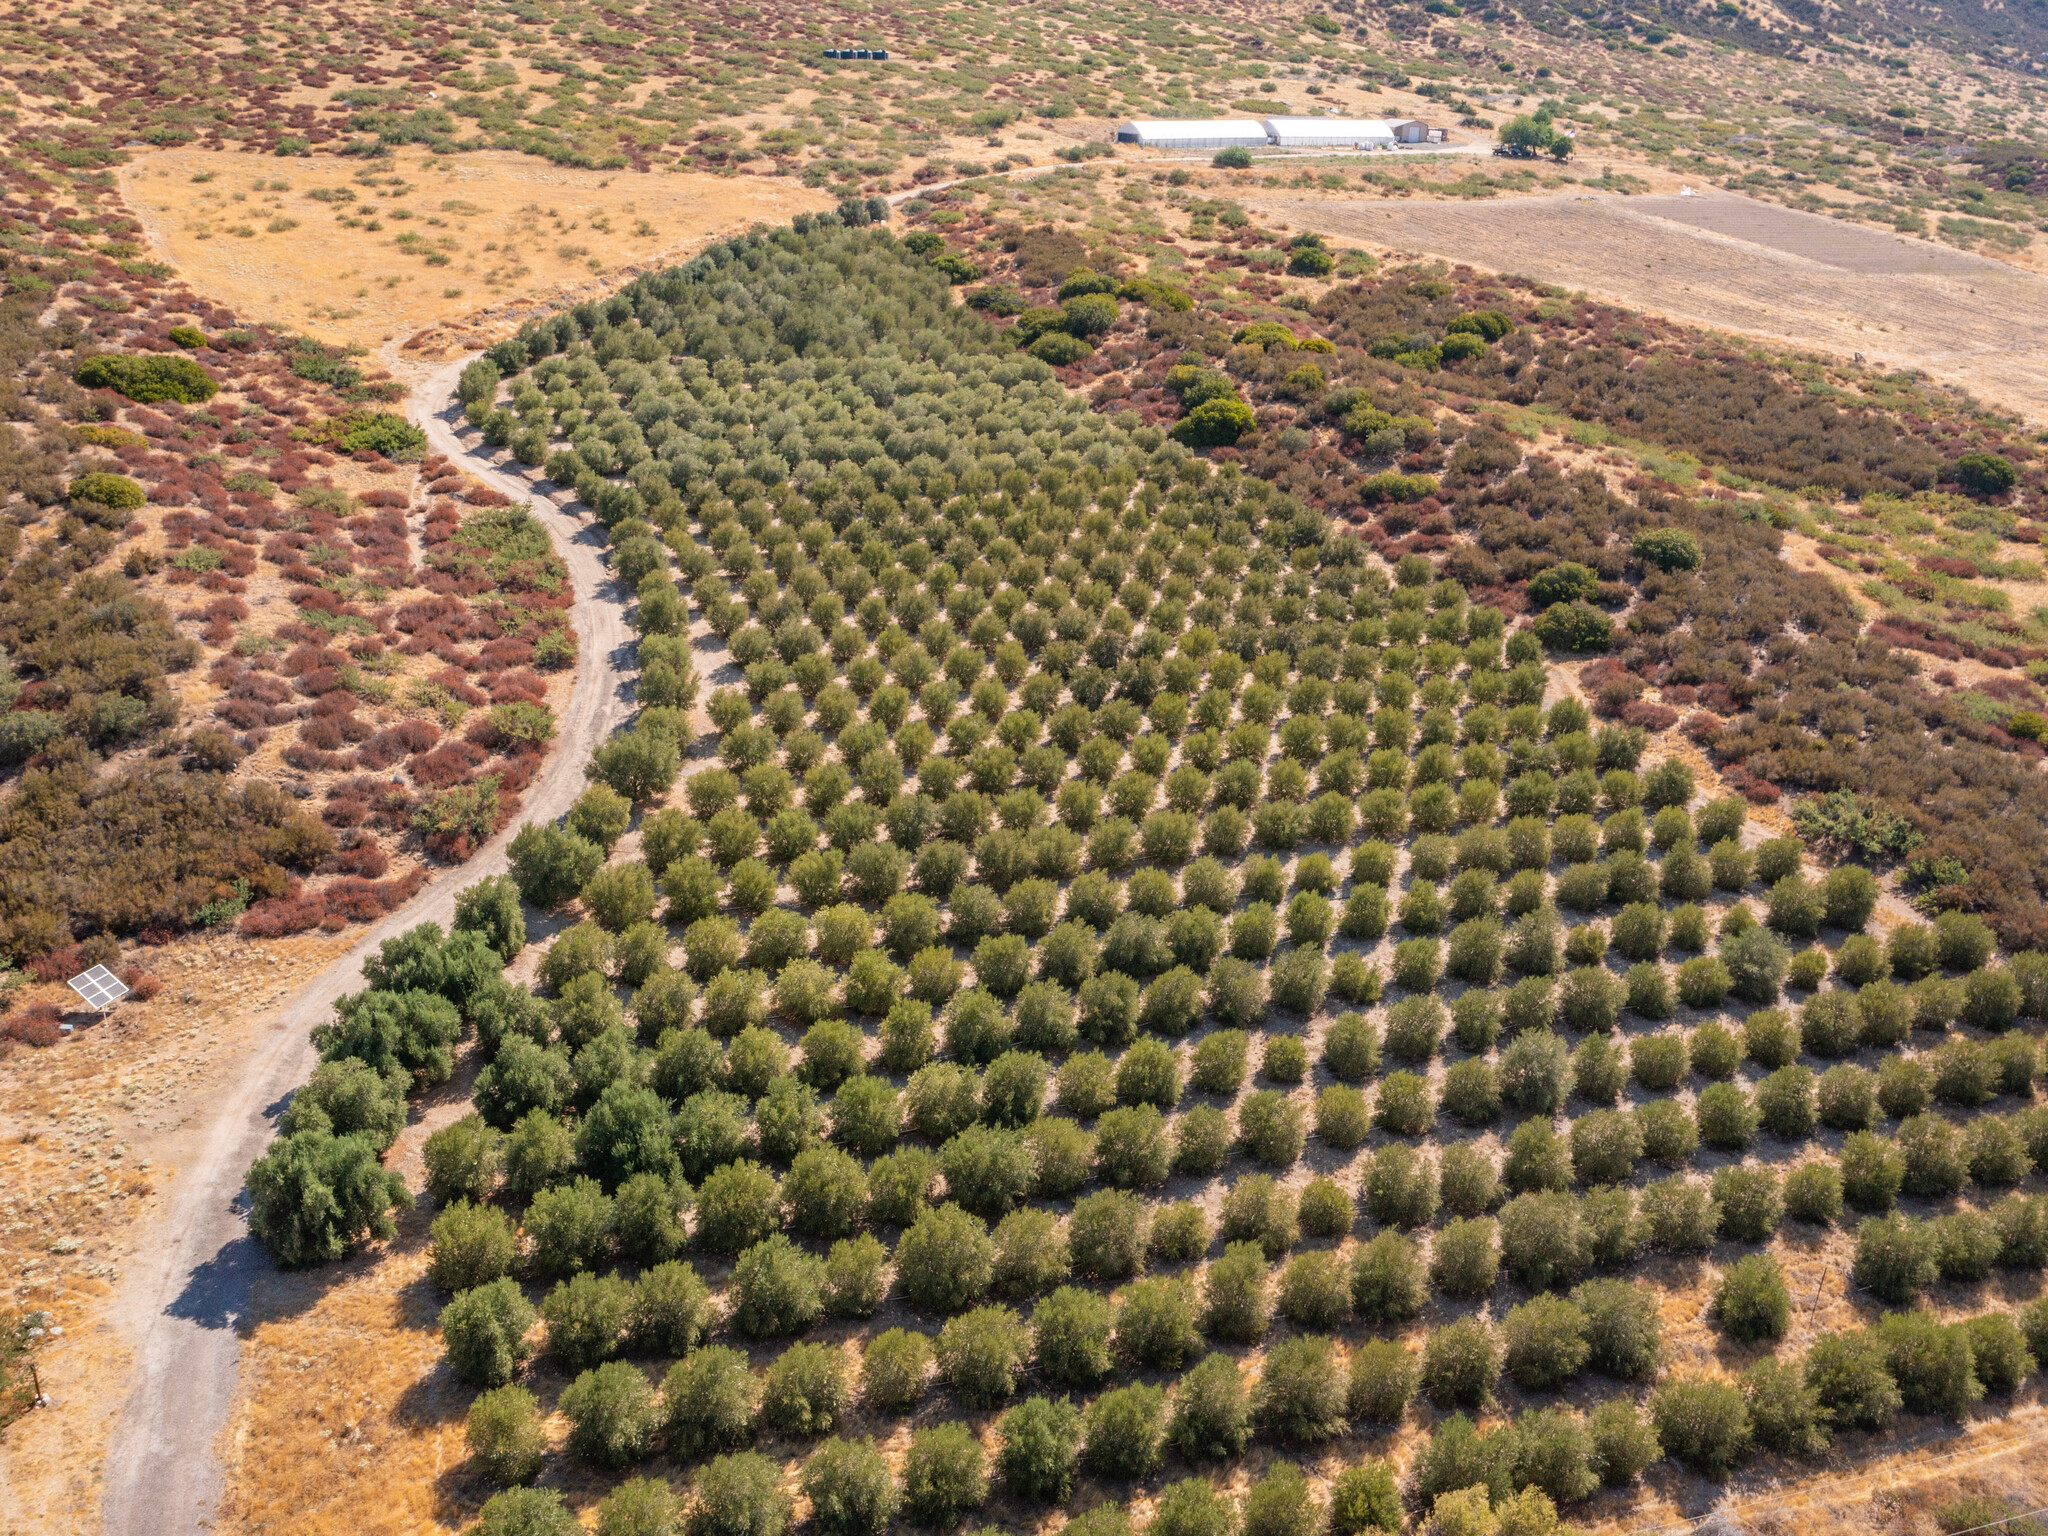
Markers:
point(1335, 844)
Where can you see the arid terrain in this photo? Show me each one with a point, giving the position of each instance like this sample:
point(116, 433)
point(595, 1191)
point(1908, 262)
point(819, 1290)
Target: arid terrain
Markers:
point(996, 477)
point(375, 254)
point(1717, 259)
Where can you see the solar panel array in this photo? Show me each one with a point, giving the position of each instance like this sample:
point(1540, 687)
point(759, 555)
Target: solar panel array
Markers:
point(100, 987)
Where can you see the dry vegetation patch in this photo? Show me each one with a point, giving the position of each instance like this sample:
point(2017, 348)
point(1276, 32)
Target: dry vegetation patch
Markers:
point(371, 251)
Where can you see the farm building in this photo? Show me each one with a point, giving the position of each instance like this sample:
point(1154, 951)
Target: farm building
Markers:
point(1329, 132)
point(1409, 130)
point(1193, 133)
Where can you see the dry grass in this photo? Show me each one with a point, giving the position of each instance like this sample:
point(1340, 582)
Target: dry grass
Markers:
point(508, 227)
point(91, 1131)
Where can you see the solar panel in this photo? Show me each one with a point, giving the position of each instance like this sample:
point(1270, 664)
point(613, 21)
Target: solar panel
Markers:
point(100, 987)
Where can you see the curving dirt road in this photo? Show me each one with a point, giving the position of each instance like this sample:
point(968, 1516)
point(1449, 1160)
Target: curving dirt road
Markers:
point(185, 1300)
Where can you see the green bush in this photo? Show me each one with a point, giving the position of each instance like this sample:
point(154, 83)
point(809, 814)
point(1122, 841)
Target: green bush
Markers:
point(1071, 1333)
point(1621, 1328)
point(506, 1443)
point(1785, 1413)
point(804, 1391)
point(1122, 1431)
point(943, 1476)
point(1624, 1442)
point(850, 1488)
point(1704, 1424)
point(1211, 1418)
point(777, 1288)
point(1193, 1507)
point(981, 1353)
point(1542, 1240)
point(1282, 1503)
point(1155, 1324)
point(1679, 1216)
point(1544, 1343)
point(526, 1512)
point(1998, 1353)
point(669, 1310)
point(485, 1331)
point(738, 1205)
point(1752, 1302)
point(1106, 1234)
point(471, 1246)
point(1465, 1257)
point(148, 379)
point(1461, 1363)
point(1932, 1363)
point(313, 1196)
point(739, 1495)
point(1037, 1443)
point(103, 488)
point(1236, 1306)
point(945, 1262)
point(611, 1413)
point(892, 1370)
point(1215, 423)
point(1849, 1375)
point(1895, 1258)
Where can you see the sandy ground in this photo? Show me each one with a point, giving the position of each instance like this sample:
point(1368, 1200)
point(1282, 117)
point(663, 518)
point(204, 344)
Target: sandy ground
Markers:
point(94, 1134)
point(1727, 261)
point(426, 239)
point(187, 1300)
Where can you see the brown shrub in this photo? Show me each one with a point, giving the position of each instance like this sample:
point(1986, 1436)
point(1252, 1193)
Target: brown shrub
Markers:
point(142, 985)
point(447, 764)
point(283, 915)
point(36, 1025)
point(323, 732)
point(367, 860)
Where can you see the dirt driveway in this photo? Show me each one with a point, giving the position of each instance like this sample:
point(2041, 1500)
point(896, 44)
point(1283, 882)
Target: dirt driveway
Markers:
point(187, 1299)
point(1734, 263)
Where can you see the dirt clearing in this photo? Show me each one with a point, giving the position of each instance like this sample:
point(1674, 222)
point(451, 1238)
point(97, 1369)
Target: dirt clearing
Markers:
point(370, 250)
point(1731, 262)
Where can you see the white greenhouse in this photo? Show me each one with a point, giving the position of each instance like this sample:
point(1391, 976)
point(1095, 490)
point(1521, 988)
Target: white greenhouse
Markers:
point(1329, 132)
point(1193, 133)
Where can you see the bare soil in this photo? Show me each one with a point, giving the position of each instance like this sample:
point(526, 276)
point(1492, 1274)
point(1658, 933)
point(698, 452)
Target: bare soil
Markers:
point(428, 239)
point(1730, 262)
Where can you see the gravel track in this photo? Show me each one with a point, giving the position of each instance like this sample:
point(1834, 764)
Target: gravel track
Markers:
point(186, 1299)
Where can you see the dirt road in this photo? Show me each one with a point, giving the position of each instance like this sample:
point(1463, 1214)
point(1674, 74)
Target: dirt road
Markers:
point(185, 1300)
point(1732, 262)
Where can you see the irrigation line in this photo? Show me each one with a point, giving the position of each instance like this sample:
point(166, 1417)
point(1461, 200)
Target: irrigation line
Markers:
point(1808, 1489)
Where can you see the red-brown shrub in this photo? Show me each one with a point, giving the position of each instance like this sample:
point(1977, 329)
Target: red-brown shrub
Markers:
point(447, 764)
point(416, 735)
point(142, 985)
point(36, 1025)
point(282, 915)
point(323, 732)
point(367, 860)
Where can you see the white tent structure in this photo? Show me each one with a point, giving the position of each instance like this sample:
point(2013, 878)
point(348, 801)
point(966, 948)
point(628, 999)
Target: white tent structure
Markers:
point(1193, 133)
point(1329, 132)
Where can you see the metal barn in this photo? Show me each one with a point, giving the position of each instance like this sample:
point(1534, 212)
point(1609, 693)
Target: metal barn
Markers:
point(1329, 132)
point(1410, 130)
point(1192, 133)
